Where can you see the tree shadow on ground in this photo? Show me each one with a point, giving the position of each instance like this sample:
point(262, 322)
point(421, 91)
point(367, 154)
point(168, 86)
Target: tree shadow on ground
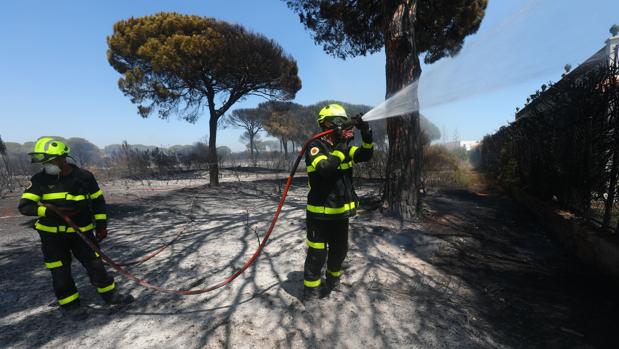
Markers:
point(498, 280)
point(390, 312)
point(26, 279)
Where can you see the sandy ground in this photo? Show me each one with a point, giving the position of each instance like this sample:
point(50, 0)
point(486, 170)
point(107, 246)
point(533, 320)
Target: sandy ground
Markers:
point(475, 272)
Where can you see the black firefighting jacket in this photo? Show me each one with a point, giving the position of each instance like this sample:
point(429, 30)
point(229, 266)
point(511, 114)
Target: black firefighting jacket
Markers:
point(332, 195)
point(77, 191)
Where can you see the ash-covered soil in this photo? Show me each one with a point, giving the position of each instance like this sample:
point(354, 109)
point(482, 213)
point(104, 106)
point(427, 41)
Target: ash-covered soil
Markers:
point(476, 271)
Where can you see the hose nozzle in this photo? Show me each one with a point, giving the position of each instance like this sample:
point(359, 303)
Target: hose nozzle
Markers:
point(354, 121)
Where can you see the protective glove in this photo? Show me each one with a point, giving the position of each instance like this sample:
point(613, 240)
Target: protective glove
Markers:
point(101, 231)
point(366, 135)
point(357, 119)
point(364, 127)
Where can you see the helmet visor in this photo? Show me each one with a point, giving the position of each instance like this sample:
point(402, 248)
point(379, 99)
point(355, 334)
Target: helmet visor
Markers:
point(37, 158)
point(338, 120)
point(334, 121)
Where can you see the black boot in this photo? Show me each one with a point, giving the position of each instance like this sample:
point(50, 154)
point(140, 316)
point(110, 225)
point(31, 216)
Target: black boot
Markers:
point(74, 311)
point(310, 294)
point(117, 298)
point(331, 284)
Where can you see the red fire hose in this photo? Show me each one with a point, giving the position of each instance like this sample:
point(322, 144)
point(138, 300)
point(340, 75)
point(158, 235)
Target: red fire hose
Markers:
point(154, 252)
point(226, 281)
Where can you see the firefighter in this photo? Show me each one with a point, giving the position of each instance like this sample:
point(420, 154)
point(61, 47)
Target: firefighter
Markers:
point(331, 199)
point(76, 194)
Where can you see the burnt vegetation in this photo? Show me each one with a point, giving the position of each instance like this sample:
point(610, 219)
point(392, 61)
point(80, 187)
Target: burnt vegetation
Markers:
point(564, 146)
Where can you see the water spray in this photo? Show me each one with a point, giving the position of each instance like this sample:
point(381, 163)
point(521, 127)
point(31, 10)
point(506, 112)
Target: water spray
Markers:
point(401, 103)
point(518, 48)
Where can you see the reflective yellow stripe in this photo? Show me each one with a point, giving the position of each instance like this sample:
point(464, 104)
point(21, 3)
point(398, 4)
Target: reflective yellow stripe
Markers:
point(61, 228)
point(52, 265)
point(316, 209)
point(318, 159)
point(76, 197)
point(352, 151)
point(97, 254)
point(342, 166)
point(69, 299)
point(82, 229)
point(100, 216)
point(39, 226)
point(63, 195)
point(55, 196)
point(339, 154)
point(106, 288)
point(336, 274)
point(345, 166)
point(316, 245)
point(311, 283)
point(96, 194)
point(31, 196)
point(367, 145)
point(331, 210)
point(41, 211)
point(338, 210)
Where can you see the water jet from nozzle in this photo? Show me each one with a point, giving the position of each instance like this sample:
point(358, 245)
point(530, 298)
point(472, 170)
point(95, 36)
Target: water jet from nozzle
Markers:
point(403, 102)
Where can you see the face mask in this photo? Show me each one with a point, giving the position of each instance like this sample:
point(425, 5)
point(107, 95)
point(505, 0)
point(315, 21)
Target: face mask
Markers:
point(51, 169)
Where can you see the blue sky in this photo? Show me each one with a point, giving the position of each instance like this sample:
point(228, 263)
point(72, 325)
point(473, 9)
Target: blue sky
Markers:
point(55, 78)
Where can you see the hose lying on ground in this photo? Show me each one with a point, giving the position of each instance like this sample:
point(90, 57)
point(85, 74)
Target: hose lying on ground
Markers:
point(160, 248)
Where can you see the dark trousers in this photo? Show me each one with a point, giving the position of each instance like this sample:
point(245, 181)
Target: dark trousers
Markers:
point(57, 249)
point(326, 240)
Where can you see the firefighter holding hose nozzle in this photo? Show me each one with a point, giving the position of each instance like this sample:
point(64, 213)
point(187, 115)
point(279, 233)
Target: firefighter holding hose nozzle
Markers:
point(62, 189)
point(332, 199)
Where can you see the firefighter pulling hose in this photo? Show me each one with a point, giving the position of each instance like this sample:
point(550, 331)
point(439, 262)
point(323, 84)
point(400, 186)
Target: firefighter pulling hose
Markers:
point(73, 220)
point(60, 191)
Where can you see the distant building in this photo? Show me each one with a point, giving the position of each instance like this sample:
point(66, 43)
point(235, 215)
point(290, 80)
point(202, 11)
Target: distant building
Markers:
point(606, 56)
point(467, 145)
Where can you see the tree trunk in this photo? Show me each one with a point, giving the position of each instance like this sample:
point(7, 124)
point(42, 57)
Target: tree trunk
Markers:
point(401, 197)
point(251, 146)
point(285, 143)
point(213, 167)
point(255, 153)
point(9, 172)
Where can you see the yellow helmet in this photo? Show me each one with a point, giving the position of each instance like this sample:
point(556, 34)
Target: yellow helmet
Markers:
point(46, 149)
point(330, 111)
